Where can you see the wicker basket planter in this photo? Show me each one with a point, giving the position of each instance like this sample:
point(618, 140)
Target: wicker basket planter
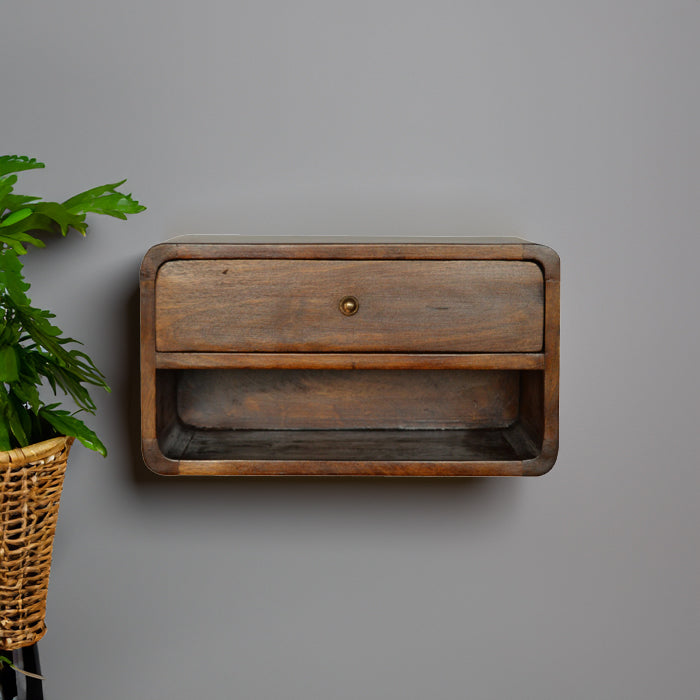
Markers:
point(31, 481)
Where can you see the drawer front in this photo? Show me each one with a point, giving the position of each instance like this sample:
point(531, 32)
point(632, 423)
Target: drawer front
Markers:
point(297, 306)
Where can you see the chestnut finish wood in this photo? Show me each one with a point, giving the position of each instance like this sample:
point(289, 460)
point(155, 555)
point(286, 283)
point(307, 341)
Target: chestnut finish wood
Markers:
point(358, 445)
point(448, 367)
point(347, 399)
point(337, 360)
point(404, 306)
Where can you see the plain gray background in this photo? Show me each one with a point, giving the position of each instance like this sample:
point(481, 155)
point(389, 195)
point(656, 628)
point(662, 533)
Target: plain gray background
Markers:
point(574, 124)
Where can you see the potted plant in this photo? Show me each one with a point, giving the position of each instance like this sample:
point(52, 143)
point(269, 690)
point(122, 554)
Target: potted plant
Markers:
point(37, 360)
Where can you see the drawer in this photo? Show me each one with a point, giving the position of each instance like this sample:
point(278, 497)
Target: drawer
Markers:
point(249, 305)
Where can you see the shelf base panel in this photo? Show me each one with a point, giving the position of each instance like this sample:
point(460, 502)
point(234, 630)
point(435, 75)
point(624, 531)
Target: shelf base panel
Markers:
point(228, 450)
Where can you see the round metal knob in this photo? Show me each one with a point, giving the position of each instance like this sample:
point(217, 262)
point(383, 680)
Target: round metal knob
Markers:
point(349, 305)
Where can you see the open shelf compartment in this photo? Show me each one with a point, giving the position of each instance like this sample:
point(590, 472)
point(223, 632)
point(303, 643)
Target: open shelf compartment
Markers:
point(248, 421)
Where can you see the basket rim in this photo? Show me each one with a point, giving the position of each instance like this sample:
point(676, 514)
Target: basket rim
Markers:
point(38, 450)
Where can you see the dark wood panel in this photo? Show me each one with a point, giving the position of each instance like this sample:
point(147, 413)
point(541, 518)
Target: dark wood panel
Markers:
point(532, 403)
point(404, 306)
point(353, 445)
point(335, 399)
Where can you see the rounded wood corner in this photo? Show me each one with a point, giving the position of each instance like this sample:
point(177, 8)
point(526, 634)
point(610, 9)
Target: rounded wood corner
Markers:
point(546, 257)
point(154, 258)
point(543, 463)
point(156, 461)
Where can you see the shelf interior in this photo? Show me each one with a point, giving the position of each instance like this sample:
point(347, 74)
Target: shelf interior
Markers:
point(349, 415)
point(478, 444)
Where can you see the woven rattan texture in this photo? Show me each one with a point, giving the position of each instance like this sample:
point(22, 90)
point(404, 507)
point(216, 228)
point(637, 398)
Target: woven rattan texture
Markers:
point(30, 492)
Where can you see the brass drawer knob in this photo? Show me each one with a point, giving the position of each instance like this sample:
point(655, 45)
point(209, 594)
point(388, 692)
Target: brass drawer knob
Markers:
point(349, 305)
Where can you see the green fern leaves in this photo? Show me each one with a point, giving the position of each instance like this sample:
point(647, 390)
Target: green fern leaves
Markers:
point(34, 353)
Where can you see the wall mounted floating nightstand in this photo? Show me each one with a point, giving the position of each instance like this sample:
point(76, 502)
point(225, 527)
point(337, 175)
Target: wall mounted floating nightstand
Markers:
point(324, 356)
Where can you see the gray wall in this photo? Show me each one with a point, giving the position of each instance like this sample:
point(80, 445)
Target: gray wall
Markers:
point(574, 124)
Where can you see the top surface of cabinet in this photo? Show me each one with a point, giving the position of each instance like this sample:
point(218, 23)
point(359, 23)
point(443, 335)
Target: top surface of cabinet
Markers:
point(291, 329)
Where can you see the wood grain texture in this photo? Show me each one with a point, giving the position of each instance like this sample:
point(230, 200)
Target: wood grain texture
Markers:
point(351, 445)
point(216, 248)
point(527, 445)
point(346, 399)
point(404, 306)
point(427, 453)
point(336, 360)
point(350, 468)
point(549, 443)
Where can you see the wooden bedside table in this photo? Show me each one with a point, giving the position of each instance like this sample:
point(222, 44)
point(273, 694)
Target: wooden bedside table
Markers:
point(324, 356)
